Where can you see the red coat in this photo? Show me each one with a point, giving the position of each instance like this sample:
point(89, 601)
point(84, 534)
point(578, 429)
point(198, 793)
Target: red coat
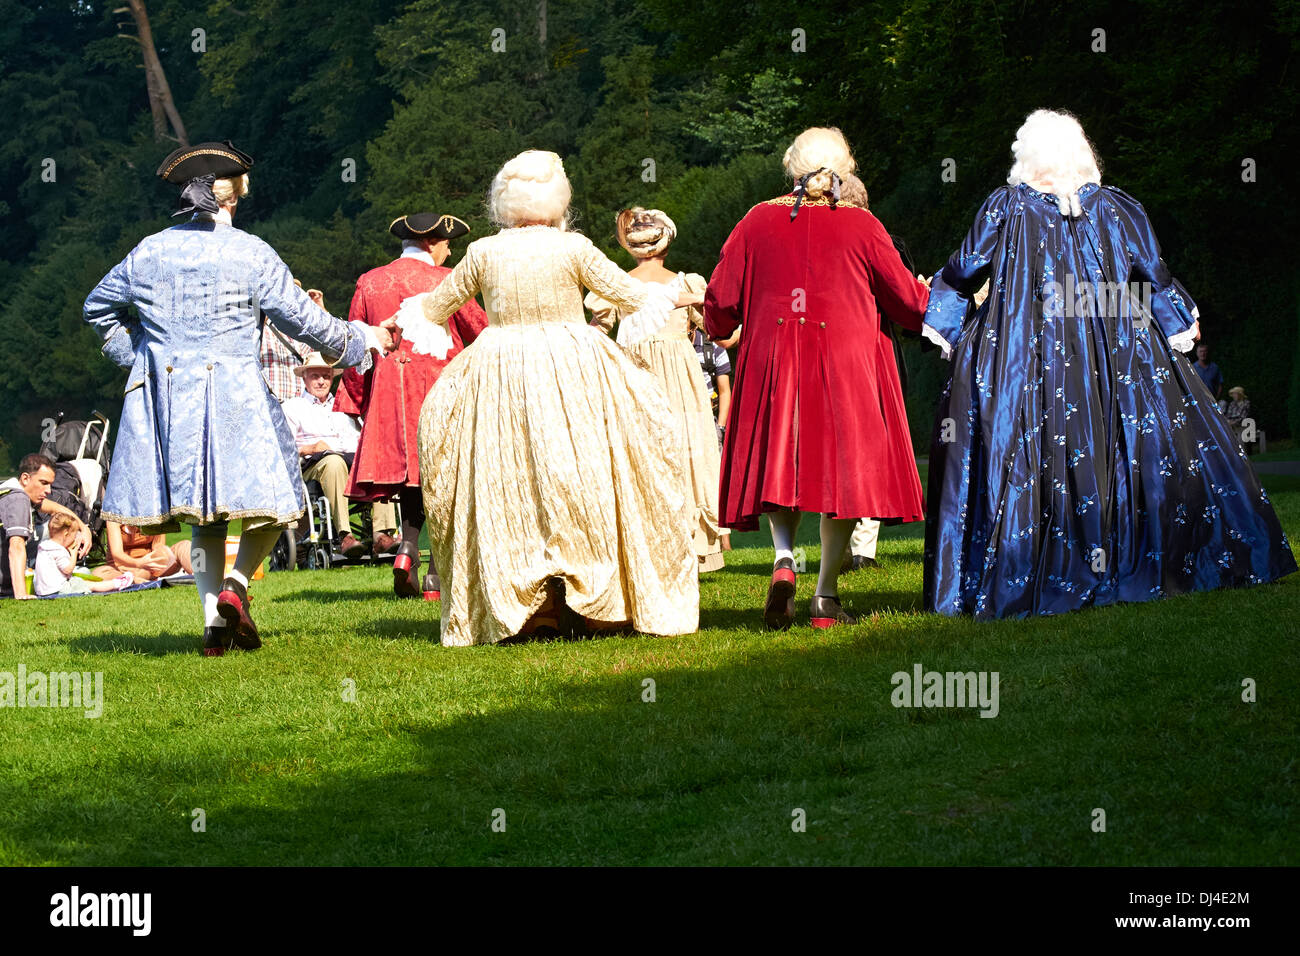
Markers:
point(817, 420)
point(389, 396)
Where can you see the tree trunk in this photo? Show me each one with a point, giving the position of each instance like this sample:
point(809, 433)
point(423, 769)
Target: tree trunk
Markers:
point(160, 94)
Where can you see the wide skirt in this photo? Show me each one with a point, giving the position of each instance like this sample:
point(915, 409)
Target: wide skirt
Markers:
point(545, 452)
point(1088, 467)
point(672, 359)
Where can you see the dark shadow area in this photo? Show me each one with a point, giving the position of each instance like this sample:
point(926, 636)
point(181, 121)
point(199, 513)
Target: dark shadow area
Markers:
point(727, 618)
point(860, 600)
point(586, 771)
point(155, 645)
point(326, 596)
point(398, 628)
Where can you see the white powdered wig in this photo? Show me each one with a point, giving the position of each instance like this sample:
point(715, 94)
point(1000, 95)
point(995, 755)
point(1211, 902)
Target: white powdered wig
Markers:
point(1054, 156)
point(228, 192)
point(820, 147)
point(530, 188)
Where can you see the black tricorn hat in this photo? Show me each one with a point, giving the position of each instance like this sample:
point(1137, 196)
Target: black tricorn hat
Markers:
point(426, 225)
point(221, 160)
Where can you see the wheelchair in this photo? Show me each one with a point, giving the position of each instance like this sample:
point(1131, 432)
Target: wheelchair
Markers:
point(309, 546)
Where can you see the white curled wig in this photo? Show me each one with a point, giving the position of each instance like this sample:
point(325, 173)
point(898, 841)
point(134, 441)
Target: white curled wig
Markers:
point(644, 233)
point(228, 192)
point(531, 187)
point(1054, 156)
point(819, 148)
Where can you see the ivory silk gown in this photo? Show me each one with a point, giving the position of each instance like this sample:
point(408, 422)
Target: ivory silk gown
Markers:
point(545, 451)
point(670, 355)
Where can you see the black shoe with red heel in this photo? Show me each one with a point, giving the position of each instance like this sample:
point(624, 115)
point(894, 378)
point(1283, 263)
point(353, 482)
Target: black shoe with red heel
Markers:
point(216, 641)
point(778, 614)
point(232, 604)
point(406, 571)
point(432, 587)
point(826, 612)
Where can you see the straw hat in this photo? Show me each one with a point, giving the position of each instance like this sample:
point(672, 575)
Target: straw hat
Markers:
point(315, 360)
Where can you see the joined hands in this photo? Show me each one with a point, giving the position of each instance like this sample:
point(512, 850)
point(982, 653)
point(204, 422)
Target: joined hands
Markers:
point(389, 334)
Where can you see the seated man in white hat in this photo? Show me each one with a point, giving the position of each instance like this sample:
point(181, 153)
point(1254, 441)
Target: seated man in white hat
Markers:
point(326, 440)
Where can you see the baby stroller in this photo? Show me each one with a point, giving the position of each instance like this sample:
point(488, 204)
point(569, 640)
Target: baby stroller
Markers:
point(81, 454)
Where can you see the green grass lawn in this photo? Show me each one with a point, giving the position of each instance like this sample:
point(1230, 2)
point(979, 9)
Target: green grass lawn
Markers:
point(1135, 710)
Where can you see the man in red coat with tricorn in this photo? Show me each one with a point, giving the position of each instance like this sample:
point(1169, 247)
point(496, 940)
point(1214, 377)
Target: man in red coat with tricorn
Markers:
point(817, 420)
point(389, 396)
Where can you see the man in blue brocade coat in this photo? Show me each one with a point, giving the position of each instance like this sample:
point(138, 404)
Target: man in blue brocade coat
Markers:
point(202, 440)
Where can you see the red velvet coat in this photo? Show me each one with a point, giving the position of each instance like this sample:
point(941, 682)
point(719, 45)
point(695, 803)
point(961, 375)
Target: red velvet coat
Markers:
point(817, 419)
point(389, 396)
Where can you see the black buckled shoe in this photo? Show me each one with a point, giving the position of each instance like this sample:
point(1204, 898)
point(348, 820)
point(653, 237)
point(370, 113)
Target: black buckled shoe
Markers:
point(778, 613)
point(216, 641)
point(406, 571)
point(232, 604)
point(826, 612)
point(857, 562)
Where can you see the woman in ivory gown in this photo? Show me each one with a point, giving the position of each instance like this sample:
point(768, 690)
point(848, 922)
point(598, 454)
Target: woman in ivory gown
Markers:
point(548, 459)
point(667, 351)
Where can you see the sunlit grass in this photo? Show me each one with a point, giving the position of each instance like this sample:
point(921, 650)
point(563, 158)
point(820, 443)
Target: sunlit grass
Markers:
point(1136, 710)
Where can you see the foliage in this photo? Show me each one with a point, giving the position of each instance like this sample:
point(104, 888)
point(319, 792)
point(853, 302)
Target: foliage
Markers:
point(427, 105)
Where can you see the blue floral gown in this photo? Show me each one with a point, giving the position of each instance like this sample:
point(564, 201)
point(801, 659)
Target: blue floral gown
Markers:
point(202, 439)
point(1077, 458)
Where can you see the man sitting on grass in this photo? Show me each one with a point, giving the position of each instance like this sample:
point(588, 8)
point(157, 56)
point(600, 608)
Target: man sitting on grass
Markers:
point(18, 496)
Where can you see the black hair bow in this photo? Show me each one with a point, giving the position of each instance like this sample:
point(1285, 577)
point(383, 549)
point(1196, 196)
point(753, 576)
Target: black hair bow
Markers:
point(801, 189)
point(197, 197)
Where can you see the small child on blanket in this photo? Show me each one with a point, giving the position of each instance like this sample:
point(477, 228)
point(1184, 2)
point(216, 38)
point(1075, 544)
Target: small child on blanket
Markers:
point(55, 567)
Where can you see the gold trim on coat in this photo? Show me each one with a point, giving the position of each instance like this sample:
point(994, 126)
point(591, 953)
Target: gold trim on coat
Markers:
point(221, 515)
point(790, 201)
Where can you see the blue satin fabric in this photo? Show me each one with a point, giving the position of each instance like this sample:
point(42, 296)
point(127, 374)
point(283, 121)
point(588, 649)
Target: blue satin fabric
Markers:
point(202, 438)
point(1077, 459)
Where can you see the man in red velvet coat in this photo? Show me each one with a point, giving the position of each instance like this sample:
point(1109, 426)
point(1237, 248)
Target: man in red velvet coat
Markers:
point(817, 419)
point(389, 396)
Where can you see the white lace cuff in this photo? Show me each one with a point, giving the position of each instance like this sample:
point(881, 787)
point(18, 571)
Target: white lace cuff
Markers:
point(368, 336)
point(661, 298)
point(426, 338)
point(931, 334)
point(1185, 340)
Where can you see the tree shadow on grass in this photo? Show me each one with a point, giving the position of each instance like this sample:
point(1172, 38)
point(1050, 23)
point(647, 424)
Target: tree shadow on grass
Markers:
point(586, 770)
point(857, 602)
point(325, 596)
point(399, 628)
point(155, 645)
point(862, 601)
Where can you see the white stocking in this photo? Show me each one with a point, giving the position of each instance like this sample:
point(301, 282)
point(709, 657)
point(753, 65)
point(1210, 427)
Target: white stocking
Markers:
point(784, 524)
point(254, 546)
point(208, 558)
point(835, 537)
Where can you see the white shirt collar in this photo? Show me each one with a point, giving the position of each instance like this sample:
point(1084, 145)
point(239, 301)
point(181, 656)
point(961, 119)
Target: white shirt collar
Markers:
point(411, 250)
point(313, 400)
